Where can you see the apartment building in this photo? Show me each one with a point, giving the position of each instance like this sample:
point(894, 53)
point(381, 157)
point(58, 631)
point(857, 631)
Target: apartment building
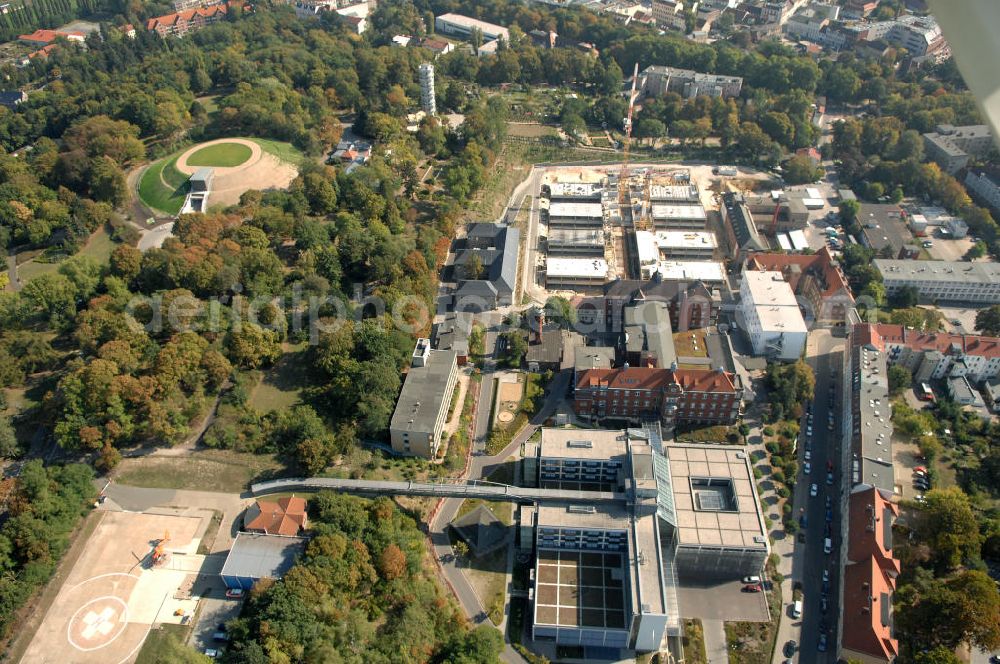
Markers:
point(770, 313)
point(868, 417)
point(985, 187)
point(870, 576)
point(422, 408)
point(952, 147)
point(672, 396)
point(948, 281)
point(658, 80)
point(935, 355)
point(190, 20)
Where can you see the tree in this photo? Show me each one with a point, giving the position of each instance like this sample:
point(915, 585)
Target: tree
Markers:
point(900, 379)
point(849, 210)
point(474, 268)
point(392, 563)
point(252, 346)
point(939, 655)
point(948, 526)
point(801, 169)
point(946, 613)
point(560, 311)
point(515, 347)
point(126, 261)
point(988, 320)
point(906, 297)
point(8, 441)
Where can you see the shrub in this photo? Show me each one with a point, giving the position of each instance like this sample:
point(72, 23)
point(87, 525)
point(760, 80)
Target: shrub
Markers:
point(768, 431)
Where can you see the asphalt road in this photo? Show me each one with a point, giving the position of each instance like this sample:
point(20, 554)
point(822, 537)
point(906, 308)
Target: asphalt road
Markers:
point(825, 447)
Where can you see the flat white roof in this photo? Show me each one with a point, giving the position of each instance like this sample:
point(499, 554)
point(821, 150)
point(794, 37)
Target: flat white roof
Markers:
point(590, 268)
point(777, 319)
point(784, 242)
point(686, 240)
point(575, 189)
point(813, 192)
point(594, 210)
point(668, 211)
point(649, 249)
point(769, 288)
point(707, 271)
point(813, 203)
point(798, 239)
point(468, 23)
point(674, 192)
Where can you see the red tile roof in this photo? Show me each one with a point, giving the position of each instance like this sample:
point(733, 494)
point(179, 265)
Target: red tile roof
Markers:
point(871, 514)
point(169, 20)
point(287, 516)
point(866, 588)
point(43, 52)
point(49, 36)
point(651, 378)
point(968, 344)
point(819, 264)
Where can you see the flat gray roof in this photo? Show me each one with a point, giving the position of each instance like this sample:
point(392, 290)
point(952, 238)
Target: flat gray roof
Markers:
point(593, 357)
point(871, 453)
point(256, 556)
point(943, 271)
point(696, 524)
point(423, 393)
point(583, 443)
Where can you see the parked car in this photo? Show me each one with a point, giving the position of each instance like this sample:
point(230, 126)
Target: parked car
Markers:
point(753, 588)
point(824, 605)
point(234, 593)
point(821, 645)
point(807, 468)
point(829, 502)
point(220, 636)
point(827, 546)
point(211, 652)
point(829, 479)
point(808, 455)
point(790, 647)
point(813, 490)
point(829, 464)
point(829, 515)
point(753, 578)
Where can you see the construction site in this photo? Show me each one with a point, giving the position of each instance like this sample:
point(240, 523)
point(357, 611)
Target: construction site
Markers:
point(673, 222)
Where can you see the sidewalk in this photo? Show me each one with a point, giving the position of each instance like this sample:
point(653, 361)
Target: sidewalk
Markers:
point(716, 648)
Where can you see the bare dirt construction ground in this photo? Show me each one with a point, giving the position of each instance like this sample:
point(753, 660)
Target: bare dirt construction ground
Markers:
point(262, 171)
point(113, 595)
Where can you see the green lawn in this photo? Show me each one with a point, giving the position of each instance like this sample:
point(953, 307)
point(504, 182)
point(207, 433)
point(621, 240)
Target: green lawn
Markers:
point(155, 195)
point(281, 385)
point(281, 150)
point(99, 247)
point(204, 470)
point(221, 155)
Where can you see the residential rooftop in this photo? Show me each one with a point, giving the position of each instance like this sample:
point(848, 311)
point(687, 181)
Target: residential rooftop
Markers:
point(946, 271)
point(593, 210)
point(686, 240)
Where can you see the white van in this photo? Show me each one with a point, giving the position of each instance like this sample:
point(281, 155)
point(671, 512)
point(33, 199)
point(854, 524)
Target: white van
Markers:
point(797, 609)
point(827, 546)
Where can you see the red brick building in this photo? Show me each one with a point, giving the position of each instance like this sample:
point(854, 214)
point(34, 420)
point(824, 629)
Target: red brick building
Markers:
point(816, 277)
point(674, 396)
point(869, 578)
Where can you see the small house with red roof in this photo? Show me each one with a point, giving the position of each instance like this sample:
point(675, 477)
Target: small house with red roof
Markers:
point(286, 516)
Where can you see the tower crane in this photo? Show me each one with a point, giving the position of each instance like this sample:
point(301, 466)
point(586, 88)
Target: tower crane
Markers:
point(623, 177)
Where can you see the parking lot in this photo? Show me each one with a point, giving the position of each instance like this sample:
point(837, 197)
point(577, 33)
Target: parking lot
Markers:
point(948, 250)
